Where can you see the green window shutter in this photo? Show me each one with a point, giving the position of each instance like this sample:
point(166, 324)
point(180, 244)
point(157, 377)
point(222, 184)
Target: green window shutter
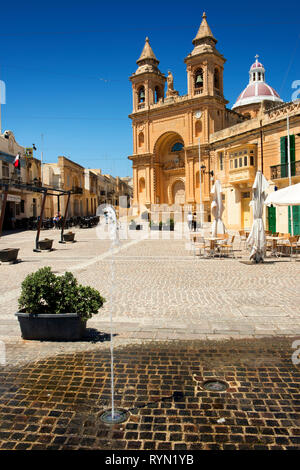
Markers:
point(292, 148)
point(272, 219)
point(296, 220)
point(283, 156)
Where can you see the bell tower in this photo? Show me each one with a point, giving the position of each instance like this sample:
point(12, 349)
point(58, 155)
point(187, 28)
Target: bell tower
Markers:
point(148, 83)
point(205, 65)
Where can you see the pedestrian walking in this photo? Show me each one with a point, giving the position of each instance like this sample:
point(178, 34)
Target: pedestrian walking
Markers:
point(194, 221)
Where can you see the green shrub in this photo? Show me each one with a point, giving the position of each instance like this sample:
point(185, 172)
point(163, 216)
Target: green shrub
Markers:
point(44, 292)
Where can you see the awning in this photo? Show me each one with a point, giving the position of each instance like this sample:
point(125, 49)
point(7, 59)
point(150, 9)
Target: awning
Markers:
point(289, 196)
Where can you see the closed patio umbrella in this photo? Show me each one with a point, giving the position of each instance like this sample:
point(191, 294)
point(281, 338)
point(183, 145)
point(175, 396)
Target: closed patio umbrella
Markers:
point(217, 209)
point(256, 240)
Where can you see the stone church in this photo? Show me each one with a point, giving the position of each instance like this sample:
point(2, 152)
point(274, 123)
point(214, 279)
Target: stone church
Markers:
point(184, 143)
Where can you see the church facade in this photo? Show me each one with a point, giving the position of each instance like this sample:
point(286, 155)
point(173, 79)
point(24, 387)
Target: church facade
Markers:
point(184, 143)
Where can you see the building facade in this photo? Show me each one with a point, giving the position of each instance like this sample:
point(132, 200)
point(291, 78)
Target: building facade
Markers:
point(22, 203)
point(182, 143)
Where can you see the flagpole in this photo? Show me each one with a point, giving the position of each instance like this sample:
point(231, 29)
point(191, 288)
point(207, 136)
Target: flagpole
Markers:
point(289, 169)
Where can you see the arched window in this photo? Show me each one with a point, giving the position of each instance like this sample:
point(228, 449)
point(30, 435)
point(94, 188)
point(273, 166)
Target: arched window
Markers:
point(216, 79)
point(141, 139)
point(177, 147)
point(141, 94)
point(199, 78)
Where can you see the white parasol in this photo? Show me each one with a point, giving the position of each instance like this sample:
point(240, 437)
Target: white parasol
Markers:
point(257, 239)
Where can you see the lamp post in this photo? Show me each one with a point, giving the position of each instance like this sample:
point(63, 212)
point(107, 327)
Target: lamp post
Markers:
point(200, 185)
point(198, 115)
point(289, 168)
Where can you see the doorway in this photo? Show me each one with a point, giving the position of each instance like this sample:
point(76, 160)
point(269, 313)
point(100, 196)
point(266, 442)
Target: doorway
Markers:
point(246, 216)
point(179, 193)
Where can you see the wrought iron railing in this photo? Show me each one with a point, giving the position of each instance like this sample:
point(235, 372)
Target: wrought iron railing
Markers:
point(282, 170)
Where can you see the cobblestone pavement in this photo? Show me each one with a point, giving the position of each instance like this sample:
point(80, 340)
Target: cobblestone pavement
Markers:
point(160, 290)
point(56, 402)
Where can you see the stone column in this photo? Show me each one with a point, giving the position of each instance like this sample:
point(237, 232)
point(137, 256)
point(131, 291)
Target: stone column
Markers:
point(148, 185)
point(135, 185)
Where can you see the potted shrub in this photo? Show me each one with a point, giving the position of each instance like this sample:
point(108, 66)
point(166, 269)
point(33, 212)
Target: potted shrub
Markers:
point(153, 225)
point(9, 255)
point(55, 307)
point(160, 225)
point(45, 244)
point(69, 237)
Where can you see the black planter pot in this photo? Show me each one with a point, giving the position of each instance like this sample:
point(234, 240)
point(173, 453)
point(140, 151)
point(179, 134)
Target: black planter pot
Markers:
point(45, 244)
point(9, 254)
point(51, 327)
point(69, 237)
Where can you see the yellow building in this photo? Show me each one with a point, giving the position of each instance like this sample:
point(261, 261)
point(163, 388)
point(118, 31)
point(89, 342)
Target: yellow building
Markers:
point(68, 176)
point(22, 202)
point(170, 131)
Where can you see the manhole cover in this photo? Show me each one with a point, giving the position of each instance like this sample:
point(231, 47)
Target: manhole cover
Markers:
point(215, 385)
point(119, 417)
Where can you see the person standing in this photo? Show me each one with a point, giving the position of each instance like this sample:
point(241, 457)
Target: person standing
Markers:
point(194, 221)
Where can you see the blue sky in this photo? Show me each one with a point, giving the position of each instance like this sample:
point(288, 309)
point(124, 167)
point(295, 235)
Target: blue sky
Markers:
point(66, 65)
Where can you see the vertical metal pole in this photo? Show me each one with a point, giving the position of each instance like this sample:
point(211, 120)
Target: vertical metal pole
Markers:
point(261, 148)
point(64, 220)
point(40, 222)
point(289, 168)
point(3, 209)
point(200, 185)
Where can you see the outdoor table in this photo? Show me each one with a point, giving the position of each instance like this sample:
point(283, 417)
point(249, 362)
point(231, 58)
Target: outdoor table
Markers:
point(274, 244)
point(212, 241)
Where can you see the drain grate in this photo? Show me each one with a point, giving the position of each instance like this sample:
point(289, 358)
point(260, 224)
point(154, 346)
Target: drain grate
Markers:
point(215, 385)
point(119, 417)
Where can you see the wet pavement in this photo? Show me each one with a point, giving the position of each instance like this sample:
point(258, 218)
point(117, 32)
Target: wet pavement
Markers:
point(56, 401)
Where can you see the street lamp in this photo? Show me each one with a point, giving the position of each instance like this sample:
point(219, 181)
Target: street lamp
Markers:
point(211, 172)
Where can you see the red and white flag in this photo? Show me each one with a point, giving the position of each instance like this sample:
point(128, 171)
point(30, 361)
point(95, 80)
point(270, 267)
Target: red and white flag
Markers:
point(17, 162)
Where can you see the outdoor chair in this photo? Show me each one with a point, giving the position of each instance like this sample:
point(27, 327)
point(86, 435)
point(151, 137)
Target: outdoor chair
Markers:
point(201, 245)
point(227, 247)
point(293, 246)
point(283, 245)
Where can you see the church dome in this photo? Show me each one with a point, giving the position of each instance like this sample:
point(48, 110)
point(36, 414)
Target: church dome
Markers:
point(257, 90)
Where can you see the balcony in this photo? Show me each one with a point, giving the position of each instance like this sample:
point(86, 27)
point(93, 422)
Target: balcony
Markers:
point(242, 175)
point(282, 170)
point(141, 105)
point(77, 190)
point(198, 91)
